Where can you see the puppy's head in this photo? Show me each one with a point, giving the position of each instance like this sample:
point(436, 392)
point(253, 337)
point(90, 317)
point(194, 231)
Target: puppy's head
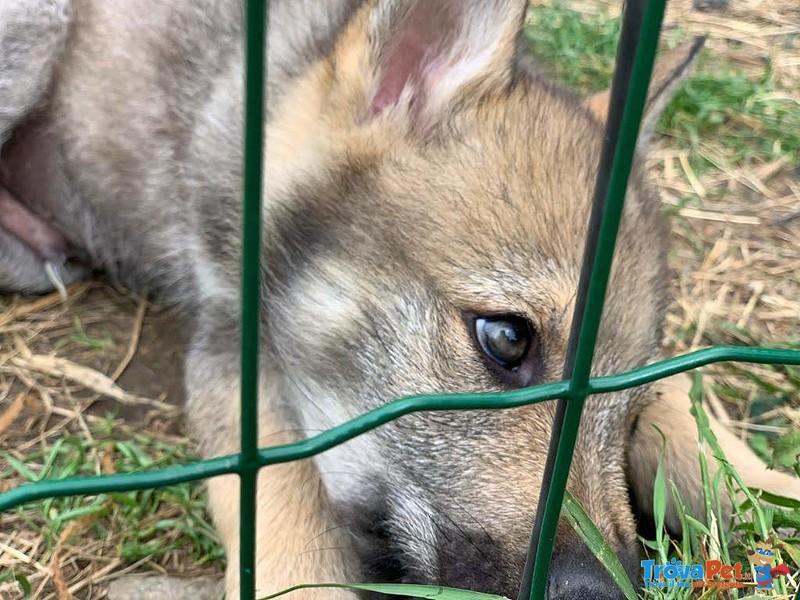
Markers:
point(434, 199)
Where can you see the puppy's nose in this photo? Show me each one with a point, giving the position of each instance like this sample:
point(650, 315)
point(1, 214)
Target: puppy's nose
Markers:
point(578, 575)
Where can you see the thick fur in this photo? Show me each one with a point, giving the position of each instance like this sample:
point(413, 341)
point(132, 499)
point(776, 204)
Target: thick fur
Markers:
point(416, 174)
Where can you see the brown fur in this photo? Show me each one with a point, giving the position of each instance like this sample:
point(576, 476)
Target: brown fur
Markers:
point(417, 176)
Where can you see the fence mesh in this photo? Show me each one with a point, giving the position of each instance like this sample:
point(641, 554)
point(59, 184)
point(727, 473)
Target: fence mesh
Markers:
point(635, 56)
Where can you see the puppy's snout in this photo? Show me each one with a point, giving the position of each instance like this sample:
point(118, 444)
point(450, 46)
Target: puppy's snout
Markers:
point(575, 574)
point(473, 559)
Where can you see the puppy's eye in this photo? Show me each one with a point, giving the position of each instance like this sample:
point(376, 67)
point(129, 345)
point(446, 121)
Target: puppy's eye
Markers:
point(504, 339)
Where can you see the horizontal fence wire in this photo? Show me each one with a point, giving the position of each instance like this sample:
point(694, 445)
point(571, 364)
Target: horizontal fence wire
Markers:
point(571, 392)
point(122, 482)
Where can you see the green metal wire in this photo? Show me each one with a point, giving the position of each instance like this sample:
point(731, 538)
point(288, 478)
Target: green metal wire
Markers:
point(628, 98)
point(255, 64)
point(326, 440)
point(571, 392)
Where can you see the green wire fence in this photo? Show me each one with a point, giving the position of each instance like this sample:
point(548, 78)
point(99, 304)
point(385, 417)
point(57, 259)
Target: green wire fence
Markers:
point(637, 48)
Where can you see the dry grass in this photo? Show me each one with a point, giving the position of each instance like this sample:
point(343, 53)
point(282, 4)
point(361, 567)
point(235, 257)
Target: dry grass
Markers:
point(77, 391)
point(736, 257)
point(727, 163)
point(736, 261)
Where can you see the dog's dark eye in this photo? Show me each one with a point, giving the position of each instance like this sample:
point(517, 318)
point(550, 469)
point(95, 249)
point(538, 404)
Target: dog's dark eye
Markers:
point(504, 339)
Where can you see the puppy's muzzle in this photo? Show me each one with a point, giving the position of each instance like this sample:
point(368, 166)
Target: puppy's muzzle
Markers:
point(575, 574)
point(477, 562)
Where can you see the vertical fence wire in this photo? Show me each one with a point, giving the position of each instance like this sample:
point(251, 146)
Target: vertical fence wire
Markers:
point(255, 67)
point(641, 26)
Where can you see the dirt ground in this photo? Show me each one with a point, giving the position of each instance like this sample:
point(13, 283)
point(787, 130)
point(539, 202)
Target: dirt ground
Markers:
point(65, 367)
point(105, 365)
point(105, 329)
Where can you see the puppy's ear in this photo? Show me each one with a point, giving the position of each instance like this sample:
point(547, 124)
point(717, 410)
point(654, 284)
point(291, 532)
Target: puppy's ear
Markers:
point(671, 68)
point(414, 60)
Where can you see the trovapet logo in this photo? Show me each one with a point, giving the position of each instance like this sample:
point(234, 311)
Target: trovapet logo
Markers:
point(714, 573)
point(675, 574)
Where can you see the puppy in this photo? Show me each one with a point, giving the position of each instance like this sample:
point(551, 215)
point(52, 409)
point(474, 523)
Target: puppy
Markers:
point(426, 205)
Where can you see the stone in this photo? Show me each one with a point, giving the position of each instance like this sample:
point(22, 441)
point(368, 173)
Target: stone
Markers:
point(162, 587)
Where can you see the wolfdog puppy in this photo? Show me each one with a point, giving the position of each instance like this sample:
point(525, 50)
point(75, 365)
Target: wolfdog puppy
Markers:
point(426, 204)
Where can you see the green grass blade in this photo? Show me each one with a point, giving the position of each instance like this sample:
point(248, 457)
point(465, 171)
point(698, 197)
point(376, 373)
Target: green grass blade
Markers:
point(20, 467)
point(698, 526)
point(777, 499)
point(660, 500)
point(24, 584)
point(688, 534)
point(787, 451)
point(399, 589)
point(711, 593)
point(703, 431)
point(722, 531)
point(708, 436)
point(591, 536)
point(792, 551)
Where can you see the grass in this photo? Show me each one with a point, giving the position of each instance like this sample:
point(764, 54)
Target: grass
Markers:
point(726, 121)
point(578, 51)
point(754, 516)
point(62, 427)
point(81, 338)
point(746, 113)
point(725, 155)
point(156, 527)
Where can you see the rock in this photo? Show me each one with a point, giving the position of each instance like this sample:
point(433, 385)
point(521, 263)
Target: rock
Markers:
point(162, 587)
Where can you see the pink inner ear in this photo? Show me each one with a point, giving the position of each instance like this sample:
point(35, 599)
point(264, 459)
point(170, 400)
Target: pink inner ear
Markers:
point(423, 40)
point(404, 67)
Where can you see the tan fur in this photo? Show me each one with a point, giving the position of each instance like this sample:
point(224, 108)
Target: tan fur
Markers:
point(296, 544)
point(598, 104)
point(298, 540)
